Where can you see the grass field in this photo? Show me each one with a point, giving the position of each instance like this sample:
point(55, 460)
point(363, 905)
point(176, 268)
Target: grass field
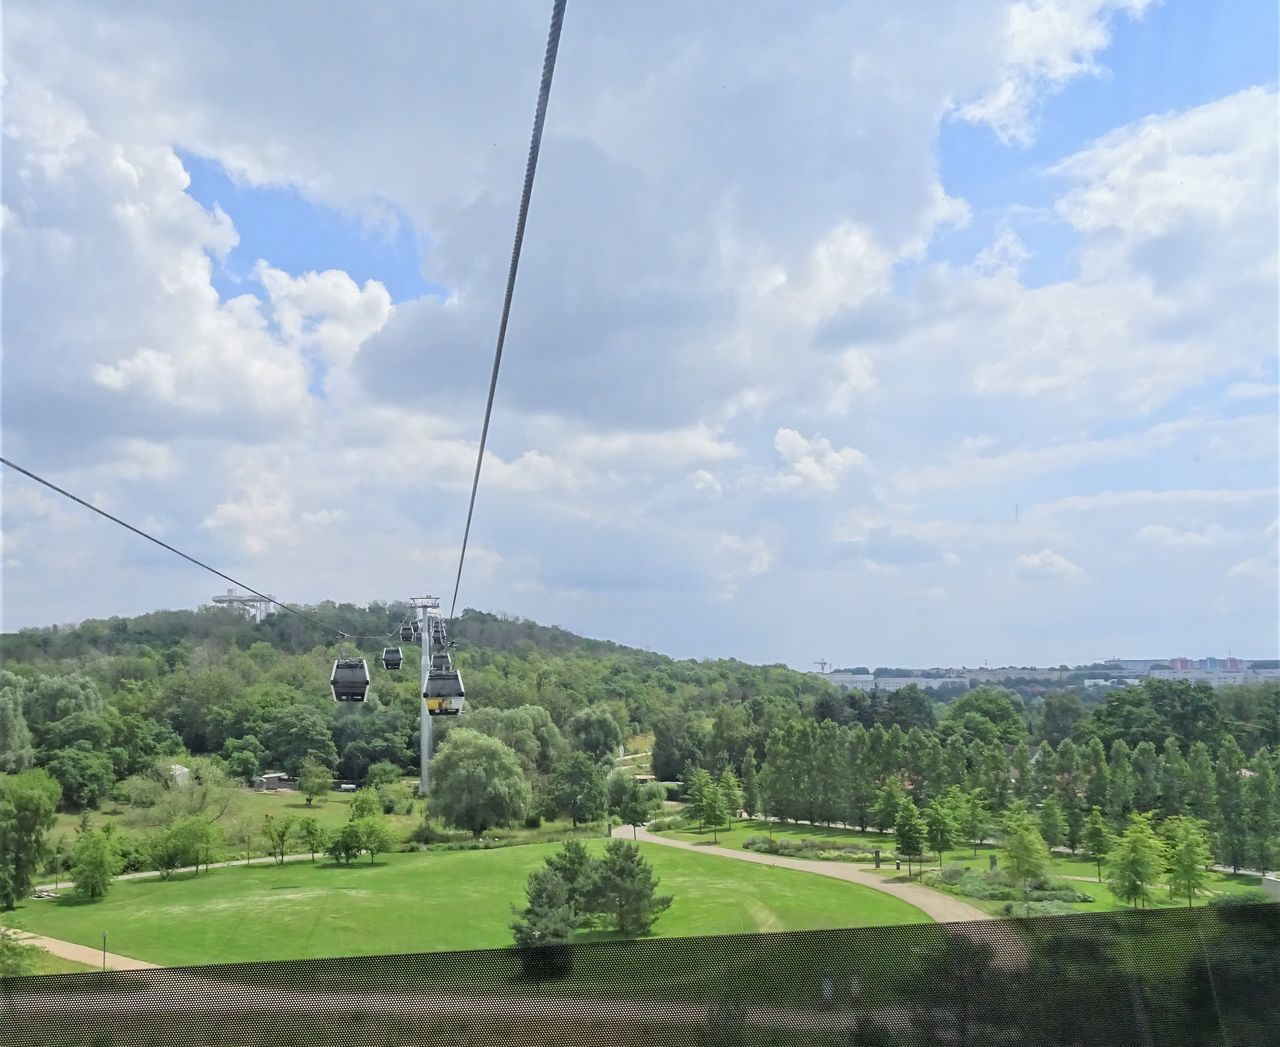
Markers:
point(425, 902)
point(47, 963)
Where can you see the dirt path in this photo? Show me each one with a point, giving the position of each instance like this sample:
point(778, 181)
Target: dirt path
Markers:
point(942, 907)
point(83, 953)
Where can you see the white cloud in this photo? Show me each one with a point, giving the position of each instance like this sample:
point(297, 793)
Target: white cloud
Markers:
point(1162, 534)
point(1045, 564)
point(1046, 44)
point(1260, 568)
point(812, 462)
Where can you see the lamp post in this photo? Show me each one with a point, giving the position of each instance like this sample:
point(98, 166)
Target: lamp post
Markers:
point(104, 950)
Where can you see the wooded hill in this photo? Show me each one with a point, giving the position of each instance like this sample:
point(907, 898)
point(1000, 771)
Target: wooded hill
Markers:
point(105, 700)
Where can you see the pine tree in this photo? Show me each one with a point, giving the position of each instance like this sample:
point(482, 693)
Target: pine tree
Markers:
point(697, 785)
point(1020, 766)
point(1136, 861)
point(546, 925)
point(1187, 856)
point(626, 890)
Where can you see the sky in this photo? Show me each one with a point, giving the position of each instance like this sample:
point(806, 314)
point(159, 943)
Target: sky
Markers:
point(942, 333)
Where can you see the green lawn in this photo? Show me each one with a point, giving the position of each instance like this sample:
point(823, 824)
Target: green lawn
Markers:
point(47, 963)
point(425, 902)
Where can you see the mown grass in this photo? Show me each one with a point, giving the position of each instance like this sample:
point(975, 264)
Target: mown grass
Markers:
point(425, 902)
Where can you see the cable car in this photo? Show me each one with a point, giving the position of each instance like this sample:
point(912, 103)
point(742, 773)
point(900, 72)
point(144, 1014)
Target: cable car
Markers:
point(391, 658)
point(444, 692)
point(349, 680)
point(406, 633)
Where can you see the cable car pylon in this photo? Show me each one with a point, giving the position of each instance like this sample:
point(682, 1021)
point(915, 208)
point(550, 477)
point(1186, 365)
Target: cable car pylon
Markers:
point(442, 692)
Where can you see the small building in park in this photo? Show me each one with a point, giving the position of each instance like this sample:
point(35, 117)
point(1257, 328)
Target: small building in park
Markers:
point(270, 781)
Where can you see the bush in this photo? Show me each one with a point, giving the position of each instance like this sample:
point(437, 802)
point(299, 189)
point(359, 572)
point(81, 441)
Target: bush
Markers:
point(789, 847)
point(662, 825)
point(533, 821)
point(1037, 908)
point(1252, 896)
point(951, 874)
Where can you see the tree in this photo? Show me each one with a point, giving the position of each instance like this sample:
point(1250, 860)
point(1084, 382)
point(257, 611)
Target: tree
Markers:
point(1262, 804)
point(909, 831)
point(364, 804)
point(579, 872)
point(698, 783)
point(374, 835)
point(346, 843)
point(1136, 861)
point(595, 732)
point(315, 778)
point(1025, 853)
point(968, 814)
point(384, 772)
point(478, 782)
point(889, 801)
point(185, 841)
point(1187, 856)
point(579, 789)
point(1146, 776)
point(750, 789)
point(94, 862)
point(546, 923)
point(1097, 838)
point(1233, 815)
point(714, 809)
point(731, 791)
point(16, 957)
point(16, 750)
point(277, 831)
point(939, 828)
point(1062, 709)
point(313, 834)
point(1053, 822)
point(27, 805)
point(85, 776)
point(639, 803)
point(1121, 785)
point(626, 890)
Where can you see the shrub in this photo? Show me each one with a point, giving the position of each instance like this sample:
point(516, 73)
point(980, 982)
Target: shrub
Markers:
point(1037, 908)
point(951, 874)
point(1252, 896)
point(533, 820)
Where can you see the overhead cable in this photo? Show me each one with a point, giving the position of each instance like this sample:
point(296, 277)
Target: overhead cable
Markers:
point(531, 166)
point(177, 552)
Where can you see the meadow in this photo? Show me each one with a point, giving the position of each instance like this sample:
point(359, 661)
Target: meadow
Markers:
point(425, 902)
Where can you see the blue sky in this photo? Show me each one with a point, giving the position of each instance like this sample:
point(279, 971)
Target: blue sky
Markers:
point(932, 339)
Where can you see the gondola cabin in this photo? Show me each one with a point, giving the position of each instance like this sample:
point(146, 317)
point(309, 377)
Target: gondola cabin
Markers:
point(391, 658)
point(444, 692)
point(349, 680)
point(406, 633)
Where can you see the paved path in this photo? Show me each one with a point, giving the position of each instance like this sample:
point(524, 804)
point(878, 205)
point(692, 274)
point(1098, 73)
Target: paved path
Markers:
point(83, 953)
point(147, 874)
point(944, 908)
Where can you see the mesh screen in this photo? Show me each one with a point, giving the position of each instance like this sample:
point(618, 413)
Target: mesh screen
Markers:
point(1203, 976)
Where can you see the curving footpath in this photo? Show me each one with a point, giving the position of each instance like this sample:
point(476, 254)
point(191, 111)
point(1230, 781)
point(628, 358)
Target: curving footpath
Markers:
point(943, 908)
point(84, 953)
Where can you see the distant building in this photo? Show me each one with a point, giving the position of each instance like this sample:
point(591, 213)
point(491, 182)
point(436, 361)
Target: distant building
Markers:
point(866, 682)
point(270, 781)
point(1213, 677)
